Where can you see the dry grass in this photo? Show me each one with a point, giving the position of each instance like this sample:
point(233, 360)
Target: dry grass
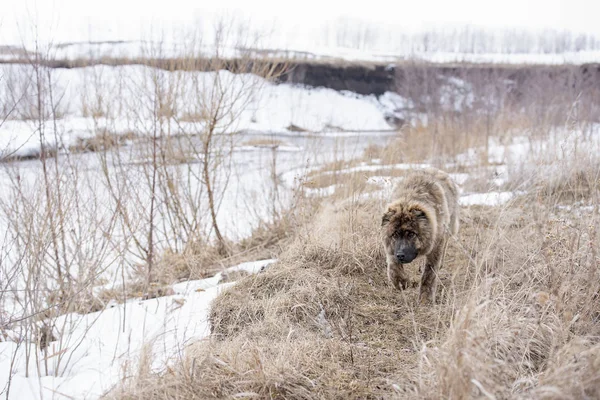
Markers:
point(534, 298)
point(102, 141)
point(199, 260)
point(419, 143)
point(516, 306)
point(321, 180)
point(572, 184)
point(517, 312)
point(336, 173)
point(447, 135)
point(263, 142)
point(296, 128)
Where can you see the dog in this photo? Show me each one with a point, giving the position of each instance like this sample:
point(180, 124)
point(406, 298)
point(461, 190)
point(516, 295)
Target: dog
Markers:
point(417, 223)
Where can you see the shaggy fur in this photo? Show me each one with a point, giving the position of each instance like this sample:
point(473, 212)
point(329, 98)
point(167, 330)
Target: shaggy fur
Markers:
point(417, 224)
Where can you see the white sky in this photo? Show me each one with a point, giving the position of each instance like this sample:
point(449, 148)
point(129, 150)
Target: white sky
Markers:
point(80, 20)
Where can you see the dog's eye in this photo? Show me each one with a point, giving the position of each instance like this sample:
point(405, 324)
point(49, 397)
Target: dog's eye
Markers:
point(410, 235)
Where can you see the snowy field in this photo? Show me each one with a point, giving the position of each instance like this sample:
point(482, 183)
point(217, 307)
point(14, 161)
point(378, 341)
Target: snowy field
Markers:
point(334, 126)
point(279, 136)
point(139, 50)
point(102, 348)
point(302, 128)
point(124, 94)
point(68, 30)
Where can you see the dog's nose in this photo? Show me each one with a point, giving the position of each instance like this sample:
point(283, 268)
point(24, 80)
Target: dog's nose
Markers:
point(401, 256)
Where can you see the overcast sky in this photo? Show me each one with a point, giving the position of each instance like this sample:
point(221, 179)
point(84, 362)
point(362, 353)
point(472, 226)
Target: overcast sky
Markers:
point(80, 20)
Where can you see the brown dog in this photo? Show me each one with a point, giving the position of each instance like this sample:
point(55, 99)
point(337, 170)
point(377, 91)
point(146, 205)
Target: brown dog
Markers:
point(418, 223)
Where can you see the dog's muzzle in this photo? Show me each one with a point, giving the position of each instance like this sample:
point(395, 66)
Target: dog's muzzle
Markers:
point(405, 256)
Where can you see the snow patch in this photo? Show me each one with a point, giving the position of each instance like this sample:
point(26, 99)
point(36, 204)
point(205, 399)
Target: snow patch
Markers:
point(268, 108)
point(98, 346)
point(486, 199)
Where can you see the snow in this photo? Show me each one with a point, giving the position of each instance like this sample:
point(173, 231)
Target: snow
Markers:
point(269, 146)
point(268, 108)
point(99, 349)
point(383, 181)
point(386, 183)
point(252, 267)
point(364, 167)
point(317, 110)
point(576, 58)
point(354, 33)
point(560, 144)
point(459, 178)
point(321, 192)
point(145, 49)
point(486, 199)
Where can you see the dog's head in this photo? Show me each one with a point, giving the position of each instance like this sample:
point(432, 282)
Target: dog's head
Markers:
point(408, 231)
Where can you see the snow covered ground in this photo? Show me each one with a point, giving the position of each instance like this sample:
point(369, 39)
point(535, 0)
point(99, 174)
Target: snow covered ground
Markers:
point(138, 49)
point(310, 125)
point(487, 199)
point(92, 354)
point(74, 31)
point(95, 351)
point(120, 98)
point(517, 164)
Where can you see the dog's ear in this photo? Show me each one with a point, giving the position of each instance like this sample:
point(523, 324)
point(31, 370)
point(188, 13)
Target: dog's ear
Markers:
point(387, 217)
point(418, 213)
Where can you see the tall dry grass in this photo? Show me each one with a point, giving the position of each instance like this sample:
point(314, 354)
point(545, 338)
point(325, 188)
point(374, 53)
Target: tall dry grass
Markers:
point(517, 311)
point(517, 315)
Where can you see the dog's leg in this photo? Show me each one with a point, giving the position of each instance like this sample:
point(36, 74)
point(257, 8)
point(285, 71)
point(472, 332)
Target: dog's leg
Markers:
point(429, 278)
point(396, 274)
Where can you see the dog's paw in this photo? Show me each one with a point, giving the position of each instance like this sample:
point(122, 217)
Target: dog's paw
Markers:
point(426, 296)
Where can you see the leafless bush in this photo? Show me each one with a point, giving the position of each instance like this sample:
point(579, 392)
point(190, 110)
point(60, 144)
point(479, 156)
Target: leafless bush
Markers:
point(56, 233)
point(139, 196)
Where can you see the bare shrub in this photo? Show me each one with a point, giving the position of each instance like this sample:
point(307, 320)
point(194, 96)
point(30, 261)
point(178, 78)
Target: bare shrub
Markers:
point(101, 141)
point(202, 259)
point(146, 194)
